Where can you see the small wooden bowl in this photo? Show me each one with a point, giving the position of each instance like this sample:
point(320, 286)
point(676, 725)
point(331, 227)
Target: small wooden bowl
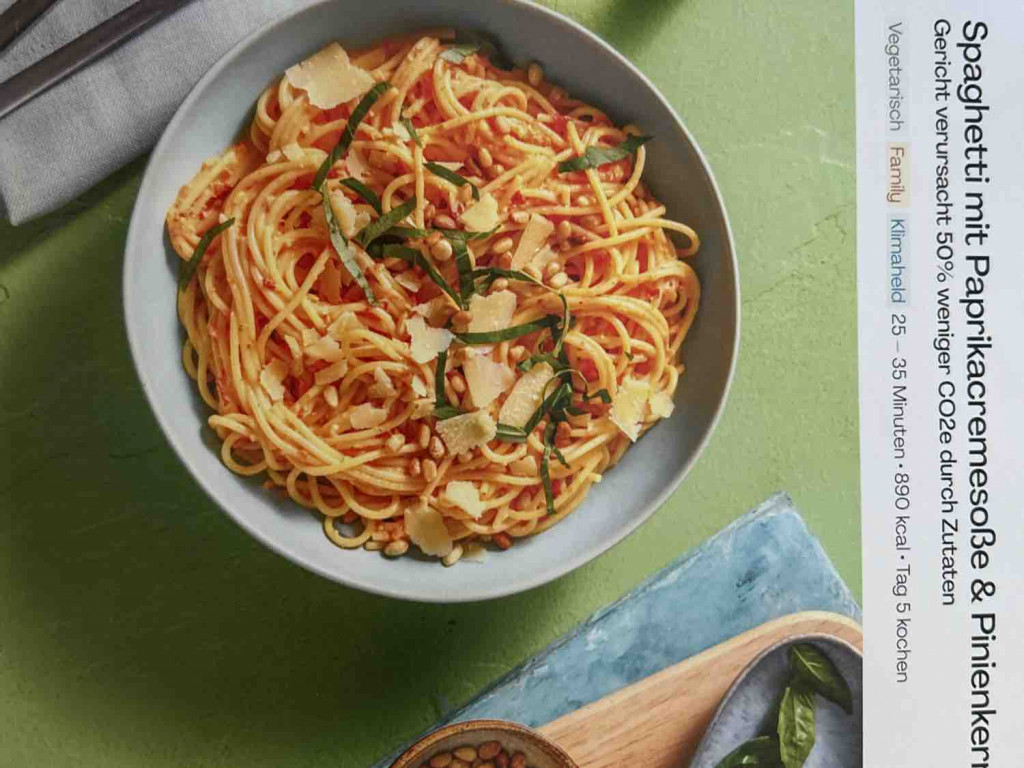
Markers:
point(540, 751)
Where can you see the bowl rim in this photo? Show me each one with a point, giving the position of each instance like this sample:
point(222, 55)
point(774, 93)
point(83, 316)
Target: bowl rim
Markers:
point(560, 566)
point(416, 750)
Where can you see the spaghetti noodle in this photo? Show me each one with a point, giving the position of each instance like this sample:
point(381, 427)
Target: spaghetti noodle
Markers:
point(437, 311)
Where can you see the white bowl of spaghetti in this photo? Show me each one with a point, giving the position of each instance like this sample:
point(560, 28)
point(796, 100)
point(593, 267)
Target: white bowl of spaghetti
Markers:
point(433, 309)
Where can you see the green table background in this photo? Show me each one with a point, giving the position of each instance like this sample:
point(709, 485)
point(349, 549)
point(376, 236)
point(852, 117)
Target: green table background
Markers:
point(138, 625)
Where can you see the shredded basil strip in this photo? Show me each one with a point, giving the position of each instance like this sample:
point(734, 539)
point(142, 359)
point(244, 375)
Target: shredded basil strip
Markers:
point(545, 468)
point(464, 266)
point(595, 157)
point(473, 42)
point(407, 233)
point(344, 251)
point(490, 274)
point(601, 394)
point(550, 403)
point(459, 52)
point(375, 229)
point(507, 334)
point(459, 181)
point(364, 192)
point(361, 110)
point(466, 234)
point(559, 456)
point(440, 399)
point(510, 434)
point(188, 268)
point(563, 329)
point(415, 258)
point(411, 130)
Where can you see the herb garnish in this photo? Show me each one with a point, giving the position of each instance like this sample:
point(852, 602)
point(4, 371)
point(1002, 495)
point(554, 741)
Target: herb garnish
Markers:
point(362, 108)
point(413, 257)
point(810, 672)
point(188, 268)
point(344, 250)
point(459, 181)
point(364, 192)
point(375, 229)
point(507, 334)
point(510, 434)
point(410, 129)
point(595, 157)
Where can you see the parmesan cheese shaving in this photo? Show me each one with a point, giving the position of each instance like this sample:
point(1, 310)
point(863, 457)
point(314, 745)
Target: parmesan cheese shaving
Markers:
point(325, 348)
point(427, 342)
point(382, 386)
point(629, 407)
point(537, 231)
point(419, 386)
point(526, 396)
point(366, 416)
point(426, 529)
point(466, 432)
point(331, 373)
point(486, 379)
point(351, 220)
point(493, 312)
point(422, 408)
point(329, 78)
point(472, 553)
point(482, 216)
point(272, 378)
point(464, 495)
point(436, 310)
point(294, 152)
point(408, 281)
point(661, 405)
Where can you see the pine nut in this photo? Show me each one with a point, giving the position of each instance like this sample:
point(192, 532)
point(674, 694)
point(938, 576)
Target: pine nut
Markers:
point(484, 156)
point(552, 268)
point(558, 280)
point(331, 395)
point(520, 217)
point(429, 211)
point(517, 353)
point(465, 457)
point(432, 238)
point(501, 284)
point(373, 545)
point(466, 754)
point(452, 557)
point(564, 229)
point(488, 750)
point(424, 436)
point(415, 468)
point(534, 74)
point(429, 470)
point(505, 260)
point(503, 540)
point(397, 549)
point(441, 250)
point(436, 448)
point(502, 245)
point(441, 760)
point(462, 317)
point(464, 193)
point(532, 271)
point(395, 442)
point(495, 171)
point(444, 221)
point(583, 201)
point(458, 383)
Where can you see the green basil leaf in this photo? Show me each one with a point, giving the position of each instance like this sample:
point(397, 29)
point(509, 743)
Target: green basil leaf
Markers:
point(563, 328)
point(510, 434)
point(507, 334)
point(364, 192)
point(188, 268)
point(453, 177)
point(344, 251)
point(440, 398)
point(459, 52)
point(814, 668)
point(550, 403)
point(361, 110)
point(595, 157)
point(446, 412)
point(464, 267)
point(375, 229)
point(762, 752)
point(415, 258)
point(545, 468)
point(407, 233)
point(467, 234)
point(411, 130)
point(601, 394)
point(559, 456)
point(796, 725)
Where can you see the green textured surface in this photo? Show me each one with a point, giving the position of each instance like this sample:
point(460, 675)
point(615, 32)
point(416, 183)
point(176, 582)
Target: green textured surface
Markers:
point(139, 625)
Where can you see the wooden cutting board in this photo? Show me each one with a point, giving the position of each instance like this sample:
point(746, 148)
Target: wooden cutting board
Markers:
point(658, 722)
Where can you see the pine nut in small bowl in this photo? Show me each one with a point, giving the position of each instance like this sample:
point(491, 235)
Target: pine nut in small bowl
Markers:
point(484, 743)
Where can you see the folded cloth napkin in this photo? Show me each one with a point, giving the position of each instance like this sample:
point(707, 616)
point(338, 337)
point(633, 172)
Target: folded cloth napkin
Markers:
point(67, 139)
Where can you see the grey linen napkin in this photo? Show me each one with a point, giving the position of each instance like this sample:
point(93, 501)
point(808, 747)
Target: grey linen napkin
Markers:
point(61, 143)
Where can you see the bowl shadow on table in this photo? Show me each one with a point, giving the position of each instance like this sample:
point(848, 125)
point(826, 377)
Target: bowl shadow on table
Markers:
point(147, 619)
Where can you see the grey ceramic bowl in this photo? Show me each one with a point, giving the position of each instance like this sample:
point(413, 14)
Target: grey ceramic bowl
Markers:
point(748, 708)
point(220, 106)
